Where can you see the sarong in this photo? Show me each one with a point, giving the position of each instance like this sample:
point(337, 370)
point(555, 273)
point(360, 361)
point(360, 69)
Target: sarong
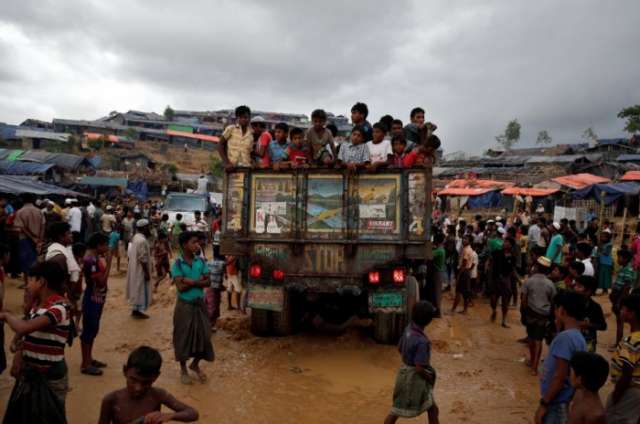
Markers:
point(412, 395)
point(627, 410)
point(192, 331)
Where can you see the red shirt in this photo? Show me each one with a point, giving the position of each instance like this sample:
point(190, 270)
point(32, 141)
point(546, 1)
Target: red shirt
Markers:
point(299, 156)
point(263, 141)
point(405, 160)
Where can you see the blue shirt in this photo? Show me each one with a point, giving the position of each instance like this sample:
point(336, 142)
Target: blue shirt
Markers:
point(605, 256)
point(195, 271)
point(114, 238)
point(563, 346)
point(554, 251)
point(415, 346)
point(278, 152)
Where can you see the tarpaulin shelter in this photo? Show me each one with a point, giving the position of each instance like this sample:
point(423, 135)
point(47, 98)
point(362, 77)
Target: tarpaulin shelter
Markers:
point(529, 191)
point(23, 168)
point(475, 183)
point(580, 181)
point(65, 161)
point(612, 192)
point(631, 176)
point(103, 181)
point(139, 189)
point(17, 185)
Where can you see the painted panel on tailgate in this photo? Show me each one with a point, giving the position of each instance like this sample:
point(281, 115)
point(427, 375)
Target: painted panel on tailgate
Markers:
point(273, 203)
point(324, 204)
point(416, 204)
point(272, 252)
point(378, 200)
point(233, 202)
point(323, 258)
point(368, 256)
point(266, 297)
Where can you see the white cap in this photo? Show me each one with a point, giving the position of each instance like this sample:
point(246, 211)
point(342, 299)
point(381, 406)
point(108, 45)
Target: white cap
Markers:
point(142, 223)
point(606, 230)
point(490, 221)
point(556, 226)
point(498, 218)
point(109, 207)
point(501, 230)
point(69, 201)
point(257, 119)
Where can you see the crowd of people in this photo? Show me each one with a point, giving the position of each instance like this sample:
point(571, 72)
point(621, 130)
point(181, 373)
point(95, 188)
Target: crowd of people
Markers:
point(555, 272)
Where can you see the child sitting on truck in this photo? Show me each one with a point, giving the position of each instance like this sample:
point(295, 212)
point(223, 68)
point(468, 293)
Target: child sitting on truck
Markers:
point(379, 147)
point(401, 158)
point(299, 154)
point(413, 392)
point(279, 147)
point(355, 154)
point(320, 139)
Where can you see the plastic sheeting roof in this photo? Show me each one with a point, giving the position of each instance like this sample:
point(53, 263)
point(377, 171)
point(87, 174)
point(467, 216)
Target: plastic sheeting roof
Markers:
point(527, 191)
point(103, 181)
point(631, 176)
point(628, 158)
point(473, 183)
point(612, 192)
point(453, 191)
point(23, 168)
point(16, 185)
point(61, 160)
point(578, 181)
point(202, 137)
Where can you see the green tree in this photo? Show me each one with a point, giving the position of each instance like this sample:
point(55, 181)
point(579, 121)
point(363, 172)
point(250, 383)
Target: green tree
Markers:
point(169, 113)
point(215, 166)
point(589, 135)
point(511, 135)
point(131, 134)
point(632, 115)
point(543, 138)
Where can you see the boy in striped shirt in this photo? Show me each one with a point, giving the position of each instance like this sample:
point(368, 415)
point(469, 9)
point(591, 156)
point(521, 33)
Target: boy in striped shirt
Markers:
point(39, 365)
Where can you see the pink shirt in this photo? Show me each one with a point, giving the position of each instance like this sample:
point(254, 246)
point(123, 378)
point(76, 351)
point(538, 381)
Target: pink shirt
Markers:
point(263, 141)
point(635, 249)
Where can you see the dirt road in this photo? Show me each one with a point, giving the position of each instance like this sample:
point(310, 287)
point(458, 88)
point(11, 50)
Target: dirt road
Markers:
point(309, 378)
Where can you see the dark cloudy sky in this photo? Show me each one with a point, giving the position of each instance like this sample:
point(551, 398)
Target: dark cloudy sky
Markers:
point(560, 65)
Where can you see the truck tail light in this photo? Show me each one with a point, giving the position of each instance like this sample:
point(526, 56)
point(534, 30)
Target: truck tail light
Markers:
point(278, 274)
point(398, 276)
point(255, 271)
point(374, 277)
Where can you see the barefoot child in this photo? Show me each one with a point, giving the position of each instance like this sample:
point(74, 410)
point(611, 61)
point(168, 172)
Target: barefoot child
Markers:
point(413, 393)
point(623, 404)
point(39, 365)
point(191, 326)
point(96, 273)
point(139, 402)
point(589, 372)
point(161, 254)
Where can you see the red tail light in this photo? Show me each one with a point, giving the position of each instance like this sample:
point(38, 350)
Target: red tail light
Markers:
point(398, 276)
point(374, 277)
point(255, 271)
point(278, 274)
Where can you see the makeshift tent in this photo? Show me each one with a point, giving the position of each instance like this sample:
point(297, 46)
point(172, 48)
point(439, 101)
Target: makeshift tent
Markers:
point(16, 185)
point(61, 160)
point(612, 192)
point(201, 137)
point(23, 168)
point(491, 199)
point(103, 181)
point(139, 189)
point(579, 181)
point(631, 176)
point(527, 191)
point(474, 183)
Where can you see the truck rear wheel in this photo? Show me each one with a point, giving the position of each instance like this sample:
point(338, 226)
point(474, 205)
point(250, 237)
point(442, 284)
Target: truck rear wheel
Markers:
point(260, 322)
point(283, 320)
point(388, 327)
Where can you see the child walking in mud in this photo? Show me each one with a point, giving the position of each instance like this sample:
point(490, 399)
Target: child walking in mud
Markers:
point(139, 402)
point(413, 392)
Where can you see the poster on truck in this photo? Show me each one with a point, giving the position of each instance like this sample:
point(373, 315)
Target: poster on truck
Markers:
point(416, 204)
point(234, 202)
point(324, 204)
point(273, 204)
point(378, 200)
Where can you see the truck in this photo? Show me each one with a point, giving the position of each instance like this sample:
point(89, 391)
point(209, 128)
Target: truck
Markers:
point(328, 243)
point(185, 204)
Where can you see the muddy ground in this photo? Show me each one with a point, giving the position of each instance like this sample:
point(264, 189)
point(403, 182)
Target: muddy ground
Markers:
point(310, 377)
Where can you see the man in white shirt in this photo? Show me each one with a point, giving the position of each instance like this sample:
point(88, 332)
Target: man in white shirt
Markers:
point(74, 218)
point(533, 234)
point(199, 224)
point(107, 220)
point(583, 254)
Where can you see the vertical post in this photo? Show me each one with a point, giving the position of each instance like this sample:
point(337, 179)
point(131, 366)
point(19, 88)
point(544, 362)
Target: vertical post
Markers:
point(624, 220)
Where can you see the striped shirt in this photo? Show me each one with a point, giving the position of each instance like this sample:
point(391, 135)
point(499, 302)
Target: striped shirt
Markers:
point(350, 153)
point(45, 348)
point(628, 353)
point(626, 278)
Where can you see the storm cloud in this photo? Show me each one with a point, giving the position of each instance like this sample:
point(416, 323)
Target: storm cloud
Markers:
point(562, 66)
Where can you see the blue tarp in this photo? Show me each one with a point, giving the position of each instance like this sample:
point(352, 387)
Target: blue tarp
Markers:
point(103, 181)
point(612, 191)
point(138, 189)
point(491, 199)
point(23, 168)
point(628, 158)
point(17, 185)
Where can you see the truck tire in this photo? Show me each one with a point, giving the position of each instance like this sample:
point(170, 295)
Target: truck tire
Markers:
point(283, 320)
point(388, 327)
point(260, 322)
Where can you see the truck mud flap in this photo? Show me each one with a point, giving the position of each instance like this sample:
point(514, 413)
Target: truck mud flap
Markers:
point(268, 298)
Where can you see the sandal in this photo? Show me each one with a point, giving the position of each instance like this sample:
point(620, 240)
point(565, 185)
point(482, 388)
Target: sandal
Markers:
point(185, 379)
point(91, 370)
point(97, 364)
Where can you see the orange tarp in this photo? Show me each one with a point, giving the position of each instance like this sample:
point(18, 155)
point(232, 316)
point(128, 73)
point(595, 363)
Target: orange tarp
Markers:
point(202, 137)
point(472, 183)
point(526, 191)
point(579, 181)
point(97, 136)
point(453, 191)
point(631, 176)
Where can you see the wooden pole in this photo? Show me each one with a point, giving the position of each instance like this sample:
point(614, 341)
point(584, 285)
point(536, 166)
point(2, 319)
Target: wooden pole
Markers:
point(624, 220)
point(428, 193)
